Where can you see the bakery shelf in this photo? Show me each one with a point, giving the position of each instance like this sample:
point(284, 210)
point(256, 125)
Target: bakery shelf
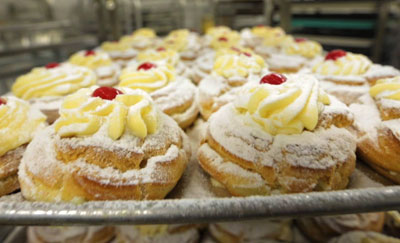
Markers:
point(13, 211)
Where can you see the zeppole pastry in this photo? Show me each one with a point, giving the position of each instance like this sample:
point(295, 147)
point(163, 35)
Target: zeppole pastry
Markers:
point(253, 37)
point(273, 38)
point(19, 122)
point(157, 234)
point(296, 53)
point(282, 135)
point(186, 43)
point(141, 39)
point(230, 71)
point(321, 229)
point(81, 234)
point(377, 125)
point(100, 62)
point(253, 231)
point(45, 87)
point(120, 52)
point(220, 37)
point(174, 95)
point(342, 74)
point(364, 237)
point(108, 144)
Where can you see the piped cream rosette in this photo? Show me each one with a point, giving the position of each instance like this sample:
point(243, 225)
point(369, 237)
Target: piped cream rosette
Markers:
point(44, 87)
point(279, 137)
point(108, 144)
point(100, 62)
point(120, 52)
point(174, 95)
point(230, 71)
point(377, 125)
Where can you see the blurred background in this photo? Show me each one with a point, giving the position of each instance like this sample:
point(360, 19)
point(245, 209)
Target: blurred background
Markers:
point(35, 32)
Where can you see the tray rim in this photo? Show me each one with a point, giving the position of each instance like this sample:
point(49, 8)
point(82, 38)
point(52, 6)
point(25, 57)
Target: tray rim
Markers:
point(205, 210)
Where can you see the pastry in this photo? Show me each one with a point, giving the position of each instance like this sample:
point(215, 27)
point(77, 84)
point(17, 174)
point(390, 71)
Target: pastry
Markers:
point(220, 37)
point(342, 73)
point(321, 229)
point(106, 71)
point(174, 95)
point(252, 231)
point(53, 234)
point(364, 237)
point(377, 126)
point(45, 87)
point(296, 53)
point(253, 37)
point(185, 42)
point(18, 124)
point(120, 52)
point(141, 39)
point(108, 144)
point(377, 71)
point(392, 223)
point(230, 71)
point(166, 56)
point(157, 234)
point(284, 135)
point(273, 38)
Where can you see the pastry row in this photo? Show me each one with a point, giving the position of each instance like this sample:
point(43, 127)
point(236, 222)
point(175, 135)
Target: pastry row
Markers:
point(354, 228)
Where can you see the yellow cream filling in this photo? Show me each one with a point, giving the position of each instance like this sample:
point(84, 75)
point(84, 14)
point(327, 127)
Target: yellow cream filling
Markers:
point(235, 65)
point(99, 59)
point(307, 48)
point(83, 115)
point(388, 88)
point(147, 80)
point(351, 64)
point(168, 55)
point(177, 40)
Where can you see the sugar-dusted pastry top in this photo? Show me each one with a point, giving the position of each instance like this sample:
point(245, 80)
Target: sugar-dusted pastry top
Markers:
point(147, 76)
point(115, 46)
point(302, 47)
point(177, 40)
point(18, 123)
point(53, 80)
point(388, 88)
point(238, 65)
point(141, 38)
point(274, 36)
point(91, 59)
point(282, 105)
point(160, 54)
point(120, 110)
point(339, 62)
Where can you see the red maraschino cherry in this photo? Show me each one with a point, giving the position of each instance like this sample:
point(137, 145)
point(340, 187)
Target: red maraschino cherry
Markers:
point(90, 53)
point(246, 54)
point(273, 78)
point(146, 66)
point(160, 49)
point(223, 39)
point(298, 40)
point(52, 65)
point(106, 93)
point(335, 54)
point(3, 101)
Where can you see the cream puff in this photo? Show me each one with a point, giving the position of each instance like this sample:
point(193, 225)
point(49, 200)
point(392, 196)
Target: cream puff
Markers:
point(120, 52)
point(19, 122)
point(78, 234)
point(186, 43)
point(174, 95)
point(230, 71)
point(346, 75)
point(100, 62)
point(377, 126)
point(141, 39)
point(321, 229)
point(284, 135)
point(45, 87)
point(253, 231)
point(108, 144)
point(157, 233)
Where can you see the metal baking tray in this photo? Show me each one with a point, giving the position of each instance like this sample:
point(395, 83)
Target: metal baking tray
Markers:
point(194, 201)
point(15, 210)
